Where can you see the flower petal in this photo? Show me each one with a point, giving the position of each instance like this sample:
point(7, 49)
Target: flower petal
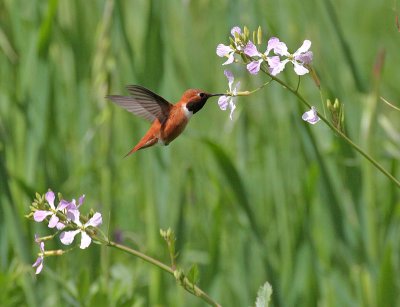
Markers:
point(53, 221)
point(305, 57)
point(40, 215)
point(232, 106)
point(63, 205)
point(95, 220)
point(50, 198)
point(251, 49)
point(281, 49)
point(273, 42)
point(223, 102)
point(85, 240)
point(311, 116)
point(71, 206)
point(38, 264)
point(67, 237)
point(276, 65)
point(300, 69)
point(235, 89)
point(39, 261)
point(223, 50)
point(60, 226)
point(73, 215)
point(303, 48)
point(230, 59)
point(254, 67)
point(39, 268)
point(81, 199)
point(234, 30)
point(229, 75)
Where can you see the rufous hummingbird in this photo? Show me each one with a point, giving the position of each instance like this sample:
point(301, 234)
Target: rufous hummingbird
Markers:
point(168, 120)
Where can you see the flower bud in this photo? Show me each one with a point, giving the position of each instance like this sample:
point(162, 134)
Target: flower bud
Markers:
point(336, 104)
point(179, 276)
point(329, 105)
point(246, 33)
point(259, 35)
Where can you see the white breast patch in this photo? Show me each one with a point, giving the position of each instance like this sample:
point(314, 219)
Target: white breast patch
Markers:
point(188, 113)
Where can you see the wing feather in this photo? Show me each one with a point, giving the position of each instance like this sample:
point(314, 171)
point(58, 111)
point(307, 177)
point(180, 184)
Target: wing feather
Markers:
point(143, 103)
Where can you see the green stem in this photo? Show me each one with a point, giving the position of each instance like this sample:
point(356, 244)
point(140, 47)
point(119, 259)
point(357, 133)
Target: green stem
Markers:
point(340, 133)
point(141, 256)
point(389, 104)
point(247, 93)
point(186, 284)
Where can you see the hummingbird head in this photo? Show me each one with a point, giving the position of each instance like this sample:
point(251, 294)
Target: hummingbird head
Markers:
point(196, 99)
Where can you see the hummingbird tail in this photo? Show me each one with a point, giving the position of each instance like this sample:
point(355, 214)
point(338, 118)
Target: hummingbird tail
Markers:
point(142, 144)
point(131, 152)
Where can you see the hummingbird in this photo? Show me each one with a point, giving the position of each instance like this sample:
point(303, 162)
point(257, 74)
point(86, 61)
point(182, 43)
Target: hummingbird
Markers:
point(168, 120)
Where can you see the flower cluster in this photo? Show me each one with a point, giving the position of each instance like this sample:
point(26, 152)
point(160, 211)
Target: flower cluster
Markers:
point(240, 44)
point(65, 216)
point(272, 61)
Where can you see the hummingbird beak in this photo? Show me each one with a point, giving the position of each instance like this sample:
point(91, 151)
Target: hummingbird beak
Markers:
point(212, 95)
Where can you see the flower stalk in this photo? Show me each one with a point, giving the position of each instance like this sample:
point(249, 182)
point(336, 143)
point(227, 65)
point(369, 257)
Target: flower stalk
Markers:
point(272, 65)
point(375, 163)
point(71, 222)
point(178, 274)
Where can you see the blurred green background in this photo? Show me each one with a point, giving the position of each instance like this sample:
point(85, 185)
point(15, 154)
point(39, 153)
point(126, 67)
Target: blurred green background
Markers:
point(265, 197)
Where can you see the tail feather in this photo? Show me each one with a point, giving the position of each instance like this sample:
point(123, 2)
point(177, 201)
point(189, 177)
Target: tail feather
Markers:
point(132, 151)
point(142, 144)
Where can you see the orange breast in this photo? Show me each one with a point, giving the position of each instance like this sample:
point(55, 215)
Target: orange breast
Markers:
point(174, 125)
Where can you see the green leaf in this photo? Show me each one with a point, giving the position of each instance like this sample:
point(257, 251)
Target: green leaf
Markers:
point(387, 291)
point(46, 28)
point(193, 274)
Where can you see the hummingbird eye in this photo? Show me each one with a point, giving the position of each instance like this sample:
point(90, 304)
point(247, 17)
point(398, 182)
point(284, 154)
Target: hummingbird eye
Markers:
point(201, 95)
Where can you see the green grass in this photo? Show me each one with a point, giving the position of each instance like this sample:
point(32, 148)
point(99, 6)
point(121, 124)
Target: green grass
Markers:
point(263, 198)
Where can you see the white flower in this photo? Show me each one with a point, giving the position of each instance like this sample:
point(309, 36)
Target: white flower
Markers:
point(67, 237)
point(228, 51)
point(254, 66)
point(311, 116)
point(54, 221)
point(227, 100)
point(300, 58)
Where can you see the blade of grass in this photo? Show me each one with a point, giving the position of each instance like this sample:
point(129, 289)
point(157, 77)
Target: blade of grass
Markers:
point(336, 23)
point(232, 178)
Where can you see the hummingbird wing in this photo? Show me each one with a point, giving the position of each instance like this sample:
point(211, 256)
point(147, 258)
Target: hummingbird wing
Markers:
point(143, 103)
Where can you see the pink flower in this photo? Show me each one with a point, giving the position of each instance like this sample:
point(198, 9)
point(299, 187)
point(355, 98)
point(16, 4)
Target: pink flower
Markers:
point(54, 221)
point(39, 261)
point(311, 116)
point(251, 50)
point(228, 51)
point(300, 58)
point(67, 237)
point(227, 100)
